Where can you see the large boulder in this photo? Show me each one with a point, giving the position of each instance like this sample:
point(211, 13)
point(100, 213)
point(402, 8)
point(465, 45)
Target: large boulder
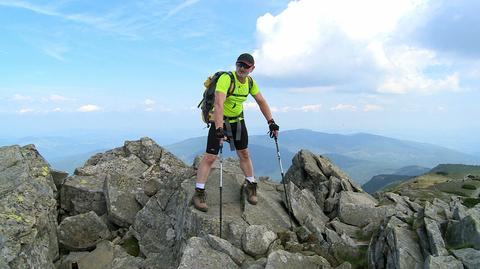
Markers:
point(257, 239)
point(468, 256)
point(465, 232)
point(28, 209)
point(81, 194)
point(83, 231)
point(120, 192)
point(442, 262)
point(303, 204)
point(281, 259)
point(359, 209)
point(395, 245)
point(198, 254)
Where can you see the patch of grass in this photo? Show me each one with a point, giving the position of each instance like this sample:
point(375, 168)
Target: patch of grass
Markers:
point(471, 202)
point(459, 193)
point(131, 246)
point(359, 261)
point(469, 187)
point(442, 173)
point(461, 246)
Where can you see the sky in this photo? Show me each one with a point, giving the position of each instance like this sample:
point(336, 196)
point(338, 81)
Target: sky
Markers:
point(407, 69)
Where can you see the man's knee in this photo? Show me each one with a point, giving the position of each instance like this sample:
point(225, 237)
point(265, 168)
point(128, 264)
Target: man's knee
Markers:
point(243, 154)
point(209, 158)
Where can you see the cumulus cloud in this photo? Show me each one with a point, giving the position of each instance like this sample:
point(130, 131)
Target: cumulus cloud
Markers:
point(345, 107)
point(19, 97)
point(26, 110)
point(349, 45)
point(370, 107)
point(311, 108)
point(149, 102)
point(55, 98)
point(88, 108)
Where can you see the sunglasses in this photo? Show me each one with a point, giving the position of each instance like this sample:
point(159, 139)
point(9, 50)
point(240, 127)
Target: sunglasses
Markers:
point(243, 65)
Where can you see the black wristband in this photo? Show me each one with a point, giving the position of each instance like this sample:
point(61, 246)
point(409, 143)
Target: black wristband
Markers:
point(219, 133)
point(270, 121)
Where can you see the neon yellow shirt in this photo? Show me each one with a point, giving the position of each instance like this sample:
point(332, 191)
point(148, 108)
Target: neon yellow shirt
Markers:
point(233, 105)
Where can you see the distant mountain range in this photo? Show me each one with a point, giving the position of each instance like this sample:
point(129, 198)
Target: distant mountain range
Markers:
point(361, 155)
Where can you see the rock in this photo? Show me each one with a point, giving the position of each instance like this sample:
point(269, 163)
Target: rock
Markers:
point(270, 210)
point(442, 262)
point(257, 240)
point(435, 240)
point(120, 191)
point(303, 204)
point(81, 194)
point(358, 209)
point(465, 232)
point(468, 256)
point(281, 259)
point(395, 246)
point(101, 257)
point(345, 265)
point(341, 228)
point(198, 254)
point(58, 177)
point(234, 232)
point(71, 258)
point(224, 246)
point(28, 210)
point(82, 232)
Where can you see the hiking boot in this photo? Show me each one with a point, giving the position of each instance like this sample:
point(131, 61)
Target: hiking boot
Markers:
point(251, 190)
point(199, 200)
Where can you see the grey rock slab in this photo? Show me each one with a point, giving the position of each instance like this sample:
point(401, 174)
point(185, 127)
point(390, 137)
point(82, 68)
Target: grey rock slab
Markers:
point(257, 239)
point(281, 259)
point(83, 231)
point(28, 209)
point(120, 191)
point(226, 247)
point(81, 194)
point(198, 254)
point(435, 240)
point(442, 262)
point(468, 256)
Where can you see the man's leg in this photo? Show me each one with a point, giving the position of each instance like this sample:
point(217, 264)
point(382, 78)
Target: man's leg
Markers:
point(247, 168)
point(199, 198)
point(204, 167)
point(245, 162)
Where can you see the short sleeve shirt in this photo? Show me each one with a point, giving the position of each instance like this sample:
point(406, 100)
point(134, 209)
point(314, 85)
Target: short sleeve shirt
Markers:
point(233, 105)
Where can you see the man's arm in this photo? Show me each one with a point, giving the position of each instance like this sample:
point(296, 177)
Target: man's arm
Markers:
point(262, 103)
point(219, 101)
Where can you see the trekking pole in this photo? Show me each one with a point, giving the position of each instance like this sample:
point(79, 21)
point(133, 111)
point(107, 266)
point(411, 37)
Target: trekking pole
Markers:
point(289, 207)
point(221, 185)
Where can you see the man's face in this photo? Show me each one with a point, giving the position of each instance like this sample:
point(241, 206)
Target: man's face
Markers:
point(243, 69)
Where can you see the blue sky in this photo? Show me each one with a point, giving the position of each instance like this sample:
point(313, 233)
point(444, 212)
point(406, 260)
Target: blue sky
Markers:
point(408, 69)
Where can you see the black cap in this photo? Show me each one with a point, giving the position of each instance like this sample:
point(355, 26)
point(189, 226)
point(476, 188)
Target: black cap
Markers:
point(246, 59)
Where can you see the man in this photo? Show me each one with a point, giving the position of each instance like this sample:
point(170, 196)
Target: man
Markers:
point(228, 123)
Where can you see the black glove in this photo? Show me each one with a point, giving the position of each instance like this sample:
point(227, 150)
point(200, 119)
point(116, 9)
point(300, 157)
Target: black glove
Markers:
point(272, 126)
point(219, 133)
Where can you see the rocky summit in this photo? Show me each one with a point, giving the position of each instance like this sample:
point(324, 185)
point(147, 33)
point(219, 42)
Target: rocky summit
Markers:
point(130, 207)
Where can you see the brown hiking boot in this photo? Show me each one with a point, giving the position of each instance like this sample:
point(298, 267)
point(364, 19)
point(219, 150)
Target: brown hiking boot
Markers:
point(199, 200)
point(251, 190)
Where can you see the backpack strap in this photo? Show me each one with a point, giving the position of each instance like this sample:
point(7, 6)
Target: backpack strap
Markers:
point(250, 86)
point(232, 84)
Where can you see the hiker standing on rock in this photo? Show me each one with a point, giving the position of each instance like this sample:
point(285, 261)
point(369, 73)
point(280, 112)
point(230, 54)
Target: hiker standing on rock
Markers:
point(231, 91)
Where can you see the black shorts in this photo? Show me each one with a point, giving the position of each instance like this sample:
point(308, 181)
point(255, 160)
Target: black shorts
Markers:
point(213, 143)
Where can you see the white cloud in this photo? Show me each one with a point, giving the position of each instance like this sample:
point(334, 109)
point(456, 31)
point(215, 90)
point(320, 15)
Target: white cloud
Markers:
point(55, 98)
point(26, 110)
point(311, 108)
point(88, 108)
point(19, 97)
point(149, 102)
point(251, 106)
point(349, 44)
point(370, 107)
point(345, 107)
point(57, 109)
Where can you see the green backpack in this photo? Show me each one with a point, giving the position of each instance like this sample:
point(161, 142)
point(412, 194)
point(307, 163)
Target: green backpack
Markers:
point(208, 101)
